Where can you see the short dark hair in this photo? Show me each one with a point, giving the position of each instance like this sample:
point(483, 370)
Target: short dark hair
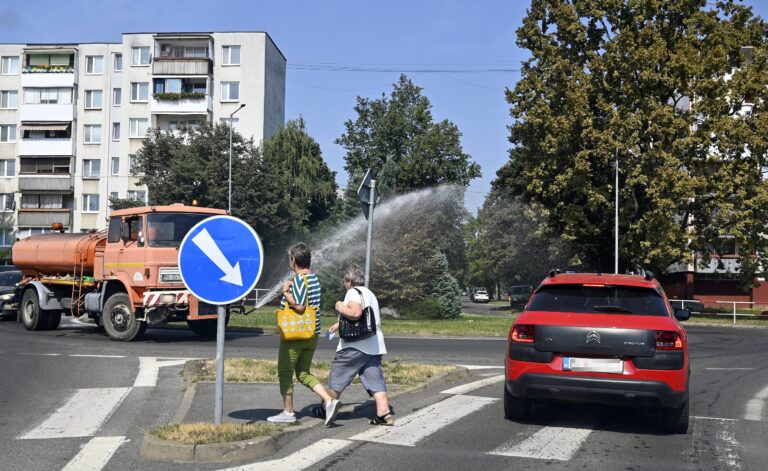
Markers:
point(300, 254)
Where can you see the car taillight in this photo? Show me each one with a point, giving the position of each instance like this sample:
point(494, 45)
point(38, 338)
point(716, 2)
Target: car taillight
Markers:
point(668, 340)
point(523, 333)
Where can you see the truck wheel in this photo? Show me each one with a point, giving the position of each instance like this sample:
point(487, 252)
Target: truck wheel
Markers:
point(31, 315)
point(206, 328)
point(119, 319)
point(54, 318)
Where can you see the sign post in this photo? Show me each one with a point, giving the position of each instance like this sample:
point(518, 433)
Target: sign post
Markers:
point(368, 198)
point(215, 246)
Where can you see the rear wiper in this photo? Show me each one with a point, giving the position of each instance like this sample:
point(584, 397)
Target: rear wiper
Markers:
point(611, 309)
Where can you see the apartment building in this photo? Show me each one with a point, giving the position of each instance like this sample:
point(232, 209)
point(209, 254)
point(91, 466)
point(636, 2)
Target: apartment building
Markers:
point(72, 116)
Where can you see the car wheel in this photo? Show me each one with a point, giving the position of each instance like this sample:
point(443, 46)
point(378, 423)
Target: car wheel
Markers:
point(516, 408)
point(676, 419)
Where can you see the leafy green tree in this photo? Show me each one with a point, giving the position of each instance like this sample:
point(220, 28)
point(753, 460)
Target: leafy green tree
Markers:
point(662, 84)
point(123, 203)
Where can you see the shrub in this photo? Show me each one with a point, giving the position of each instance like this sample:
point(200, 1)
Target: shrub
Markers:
point(426, 308)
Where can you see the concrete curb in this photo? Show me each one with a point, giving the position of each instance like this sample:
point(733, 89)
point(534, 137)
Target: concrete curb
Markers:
point(155, 448)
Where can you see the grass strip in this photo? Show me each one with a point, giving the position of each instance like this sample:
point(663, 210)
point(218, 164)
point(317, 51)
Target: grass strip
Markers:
point(200, 433)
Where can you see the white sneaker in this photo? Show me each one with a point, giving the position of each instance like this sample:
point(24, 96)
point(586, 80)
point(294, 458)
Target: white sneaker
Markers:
point(282, 418)
point(330, 411)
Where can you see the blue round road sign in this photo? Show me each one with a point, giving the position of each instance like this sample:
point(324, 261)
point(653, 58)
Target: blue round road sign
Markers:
point(220, 259)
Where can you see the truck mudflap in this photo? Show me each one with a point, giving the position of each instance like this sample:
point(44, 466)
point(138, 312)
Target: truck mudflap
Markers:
point(595, 341)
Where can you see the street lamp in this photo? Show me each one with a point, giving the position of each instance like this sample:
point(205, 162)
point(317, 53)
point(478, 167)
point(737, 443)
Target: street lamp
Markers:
point(616, 217)
point(231, 117)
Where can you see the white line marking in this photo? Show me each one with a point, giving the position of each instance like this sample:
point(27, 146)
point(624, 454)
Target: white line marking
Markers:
point(95, 454)
point(713, 418)
point(42, 354)
point(408, 430)
point(149, 367)
point(80, 355)
point(299, 460)
point(549, 443)
point(465, 388)
point(729, 369)
point(479, 367)
point(81, 415)
point(756, 405)
point(717, 443)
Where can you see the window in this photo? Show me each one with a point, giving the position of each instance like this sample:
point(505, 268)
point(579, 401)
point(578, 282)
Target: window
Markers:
point(175, 124)
point(117, 96)
point(91, 168)
point(7, 237)
point(115, 166)
point(49, 96)
point(9, 65)
point(139, 91)
point(7, 133)
point(33, 201)
point(114, 230)
point(137, 195)
point(611, 299)
point(7, 168)
point(133, 164)
point(94, 65)
point(235, 122)
point(6, 202)
point(118, 62)
point(231, 55)
point(140, 55)
point(92, 133)
point(179, 85)
point(93, 99)
point(9, 99)
point(90, 202)
point(138, 127)
point(115, 131)
point(230, 91)
point(45, 166)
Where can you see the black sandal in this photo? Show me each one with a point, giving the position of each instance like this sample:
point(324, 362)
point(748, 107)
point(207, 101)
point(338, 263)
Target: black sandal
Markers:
point(387, 419)
point(317, 411)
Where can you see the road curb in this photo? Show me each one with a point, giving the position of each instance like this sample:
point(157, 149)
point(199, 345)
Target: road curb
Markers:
point(155, 448)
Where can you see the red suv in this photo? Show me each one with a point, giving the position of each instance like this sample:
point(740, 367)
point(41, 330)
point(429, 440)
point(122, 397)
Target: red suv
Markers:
point(609, 339)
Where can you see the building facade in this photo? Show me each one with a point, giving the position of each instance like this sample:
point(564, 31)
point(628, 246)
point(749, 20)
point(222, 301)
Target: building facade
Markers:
point(72, 116)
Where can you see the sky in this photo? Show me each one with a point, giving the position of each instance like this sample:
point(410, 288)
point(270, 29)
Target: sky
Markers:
point(468, 47)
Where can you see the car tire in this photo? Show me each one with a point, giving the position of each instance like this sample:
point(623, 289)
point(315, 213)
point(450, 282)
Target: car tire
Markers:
point(516, 408)
point(120, 319)
point(676, 419)
point(31, 315)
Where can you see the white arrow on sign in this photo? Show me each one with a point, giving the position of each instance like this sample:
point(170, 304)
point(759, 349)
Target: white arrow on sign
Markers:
point(205, 242)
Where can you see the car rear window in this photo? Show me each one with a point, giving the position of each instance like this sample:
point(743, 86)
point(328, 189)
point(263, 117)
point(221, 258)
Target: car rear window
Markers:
point(621, 300)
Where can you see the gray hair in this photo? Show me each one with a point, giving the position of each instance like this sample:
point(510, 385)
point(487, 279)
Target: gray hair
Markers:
point(355, 275)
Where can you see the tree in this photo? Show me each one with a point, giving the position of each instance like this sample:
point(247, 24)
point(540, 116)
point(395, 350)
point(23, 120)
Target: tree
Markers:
point(661, 84)
point(445, 288)
point(123, 203)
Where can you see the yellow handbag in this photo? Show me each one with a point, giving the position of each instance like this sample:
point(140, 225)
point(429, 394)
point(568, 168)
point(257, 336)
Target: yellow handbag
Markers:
point(295, 326)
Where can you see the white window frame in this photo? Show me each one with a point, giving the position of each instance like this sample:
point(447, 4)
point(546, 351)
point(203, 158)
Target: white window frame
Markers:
point(117, 62)
point(5, 65)
point(8, 138)
point(226, 55)
point(136, 87)
point(88, 130)
point(92, 168)
point(136, 59)
point(6, 202)
point(117, 96)
point(90, 97)
point(4, 168)
point(114, 166)
point(227, 97)
point(90, 65)
point(115, 132)
point(88, 200)
point(134, 195)
point(134, 133)
point(5, 96)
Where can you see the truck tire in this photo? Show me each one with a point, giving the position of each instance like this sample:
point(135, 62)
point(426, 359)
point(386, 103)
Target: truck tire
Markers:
point(206, 328)
point(54, 319)
point(30, 313)
point(119, 318)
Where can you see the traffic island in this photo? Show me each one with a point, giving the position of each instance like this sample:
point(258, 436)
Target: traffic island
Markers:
point(251, 394)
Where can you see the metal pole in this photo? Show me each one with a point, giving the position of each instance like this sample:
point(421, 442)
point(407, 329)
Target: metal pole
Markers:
point(734, 312)
point(231, 118)
point(616, 218)
point(221, 311)
point(370, 233)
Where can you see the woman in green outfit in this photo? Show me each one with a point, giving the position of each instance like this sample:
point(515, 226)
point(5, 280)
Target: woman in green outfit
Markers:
point(295, 356)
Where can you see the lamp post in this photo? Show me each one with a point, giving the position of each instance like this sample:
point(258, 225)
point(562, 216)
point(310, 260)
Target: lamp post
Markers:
point(616, 218)
point(231, 117)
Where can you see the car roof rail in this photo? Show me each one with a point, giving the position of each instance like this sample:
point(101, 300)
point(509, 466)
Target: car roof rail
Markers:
point(649, 275)
point(554, 272)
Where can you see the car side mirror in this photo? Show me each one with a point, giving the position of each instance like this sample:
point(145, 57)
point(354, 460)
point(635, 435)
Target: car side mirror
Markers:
point(682, 314)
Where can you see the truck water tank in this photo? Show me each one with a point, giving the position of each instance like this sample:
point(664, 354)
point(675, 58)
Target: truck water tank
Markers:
point(57, 254)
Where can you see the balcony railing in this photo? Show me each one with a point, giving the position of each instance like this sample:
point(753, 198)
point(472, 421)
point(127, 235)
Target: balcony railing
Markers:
point(44, 217)
point(48, 79)
point(48, 69)
point(48, 146)
point(182, 66)
point(47, 112)
point(35, 182)
point(194, 104)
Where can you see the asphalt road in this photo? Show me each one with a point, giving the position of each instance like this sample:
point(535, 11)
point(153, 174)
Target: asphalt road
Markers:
point(452, 430)
point(488, 309)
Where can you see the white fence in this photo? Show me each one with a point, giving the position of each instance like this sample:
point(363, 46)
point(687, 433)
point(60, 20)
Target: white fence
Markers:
point(734, 309)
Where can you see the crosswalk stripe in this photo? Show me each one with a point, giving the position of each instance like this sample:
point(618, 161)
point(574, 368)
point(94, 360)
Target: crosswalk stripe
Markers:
point(299, 460)
point(95, 454)
point(469, 387)
point(149, 368)
point(756, 405)
point(480, 367)
point(549, 443)
point(412, 428)
point(81, 415)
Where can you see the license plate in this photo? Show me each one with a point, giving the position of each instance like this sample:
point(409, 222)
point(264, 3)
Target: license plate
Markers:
point(593, 365)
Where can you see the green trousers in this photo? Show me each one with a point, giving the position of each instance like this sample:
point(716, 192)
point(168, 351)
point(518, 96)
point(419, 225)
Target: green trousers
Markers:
point(296, 356)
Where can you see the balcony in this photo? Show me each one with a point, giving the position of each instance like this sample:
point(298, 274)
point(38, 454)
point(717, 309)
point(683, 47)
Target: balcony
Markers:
point(44, 217)
point(176, 103)
point(182, 66)
point(54, 183)
point(47, 112)
point(49, 146)
point(47, 79)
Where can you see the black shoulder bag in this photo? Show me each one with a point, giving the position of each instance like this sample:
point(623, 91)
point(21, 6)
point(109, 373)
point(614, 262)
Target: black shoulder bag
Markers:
point(361, 328)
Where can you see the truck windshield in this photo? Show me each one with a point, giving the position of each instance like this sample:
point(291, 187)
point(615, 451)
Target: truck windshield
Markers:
point(168, 229)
